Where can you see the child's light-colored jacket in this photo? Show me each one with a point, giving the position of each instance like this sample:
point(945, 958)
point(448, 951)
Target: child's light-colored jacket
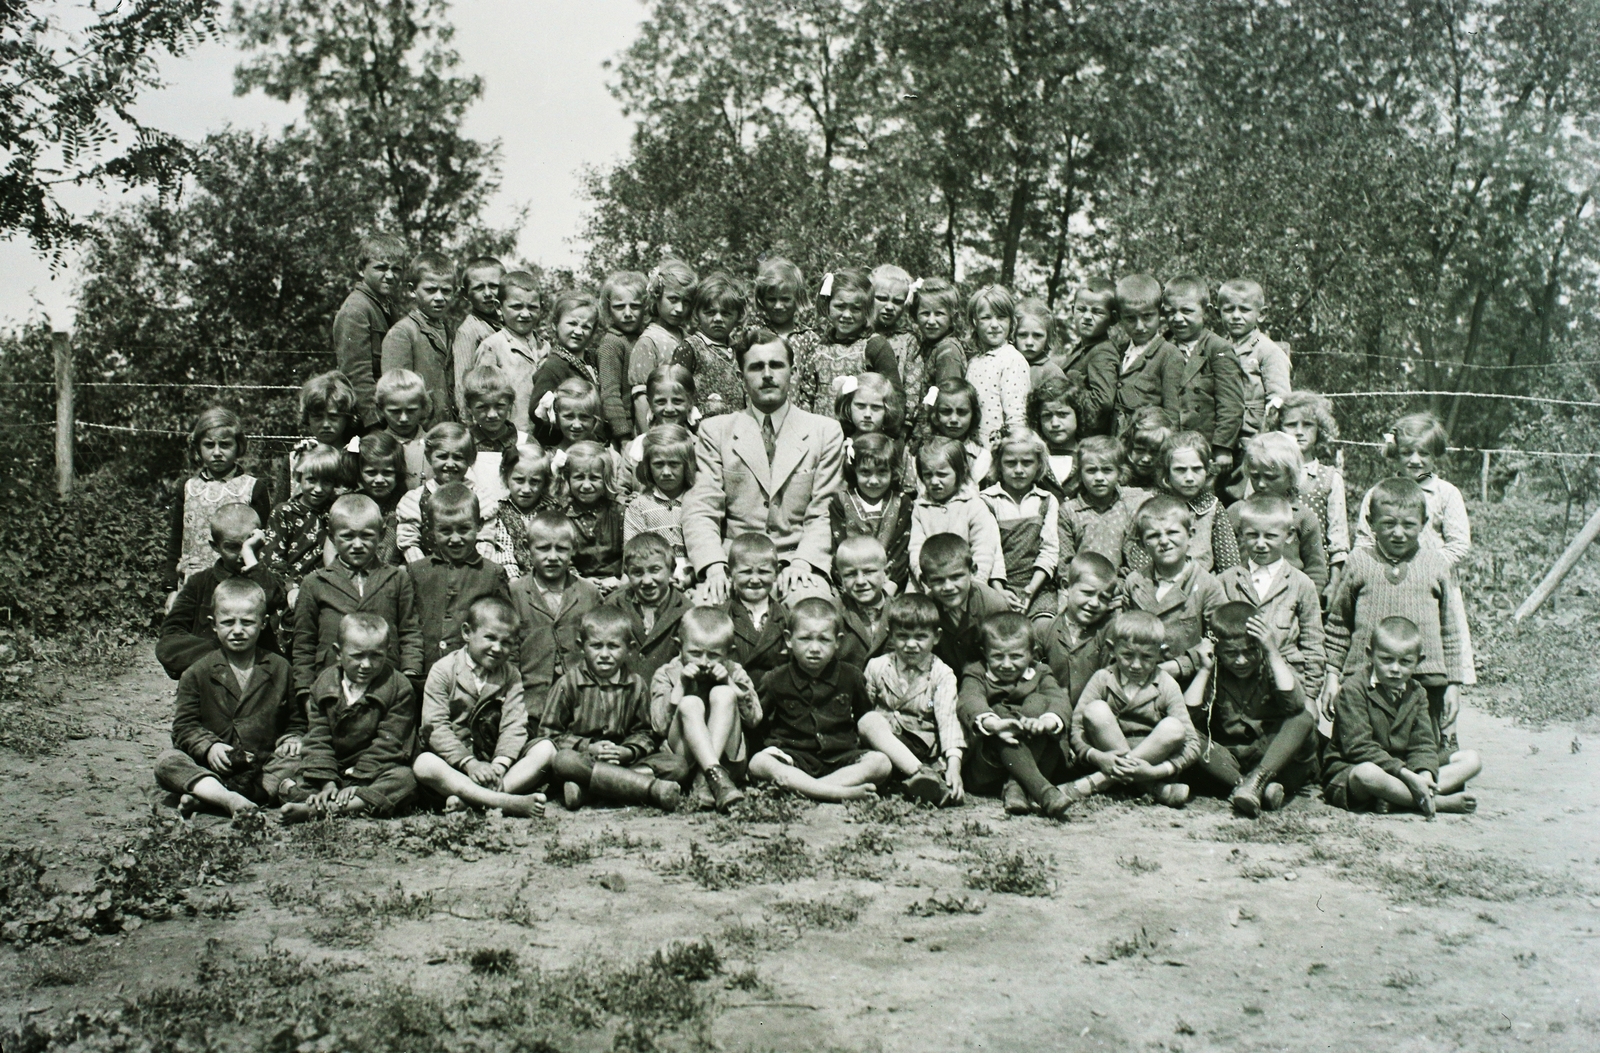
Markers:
point(468, 714)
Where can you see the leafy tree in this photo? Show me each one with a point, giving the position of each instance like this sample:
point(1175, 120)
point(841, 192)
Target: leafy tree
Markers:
point(66, 103)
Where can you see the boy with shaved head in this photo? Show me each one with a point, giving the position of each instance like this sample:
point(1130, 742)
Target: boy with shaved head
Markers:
point(188, 632)
point(354, 583)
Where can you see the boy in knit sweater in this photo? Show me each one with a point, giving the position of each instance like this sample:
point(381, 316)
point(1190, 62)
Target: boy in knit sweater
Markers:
point(1397, 578)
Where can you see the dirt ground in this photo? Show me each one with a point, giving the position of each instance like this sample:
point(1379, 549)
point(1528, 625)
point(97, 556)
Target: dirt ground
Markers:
point(1160, 930)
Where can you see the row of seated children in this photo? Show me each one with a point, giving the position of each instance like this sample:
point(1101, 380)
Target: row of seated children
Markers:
point(357, 672)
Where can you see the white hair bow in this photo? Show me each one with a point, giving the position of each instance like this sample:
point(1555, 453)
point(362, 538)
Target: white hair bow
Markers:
point(932, 396)
point(850, 451)
point(546, 409)
point(845, 385)
point(354, 445)
point(911, 293)
point(558, 460)
point(827, 285)
point(694, 416)
point(636, 449)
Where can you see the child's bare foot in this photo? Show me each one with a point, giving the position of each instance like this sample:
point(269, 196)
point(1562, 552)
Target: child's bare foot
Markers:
point(1172, 794)
point(1421, 792)
point(297, 813)
point(454, 804)
point(242, 806)
point(524, 806)
point(188, 804)
point(1456, 803)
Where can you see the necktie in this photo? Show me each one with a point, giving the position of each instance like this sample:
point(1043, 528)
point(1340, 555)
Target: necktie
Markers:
point(769, 437)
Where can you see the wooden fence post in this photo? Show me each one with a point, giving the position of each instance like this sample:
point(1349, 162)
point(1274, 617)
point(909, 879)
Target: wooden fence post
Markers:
point(1483, 481)
point(62, 343)
point(1568, 560)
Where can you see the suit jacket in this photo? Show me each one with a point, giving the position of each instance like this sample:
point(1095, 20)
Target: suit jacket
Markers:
point(211, 709)
point(358, 331)
point(1370, 728)
point(329, 593)
point(479, 722)
point(1154, 379)
point(737, 491)
point(859, 637)
point(1211, 391)
point(1185, 610)
point(413, 345)
point(444, 593)
point(1096, 367)
point(1072, 662)
point(659, 645)
point(549, 641)
point(761, 650)
point(362, 741)
point(1294, 610)
point(187, 633)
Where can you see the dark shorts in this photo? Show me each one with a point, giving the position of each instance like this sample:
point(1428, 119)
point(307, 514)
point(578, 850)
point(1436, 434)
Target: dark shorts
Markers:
point(920, 749)
point(1336, 791)
point(818, 765)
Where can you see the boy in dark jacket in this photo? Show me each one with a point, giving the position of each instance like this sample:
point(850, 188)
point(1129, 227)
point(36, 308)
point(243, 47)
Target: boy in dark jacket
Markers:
point(651, 602)
point(454, 575)
point(361, 726)
point(364, 319)
point(355, 583)
point(187, 632)
point(1384, 750)
point(237, 731)
point(1210, 381)
point(759, 620)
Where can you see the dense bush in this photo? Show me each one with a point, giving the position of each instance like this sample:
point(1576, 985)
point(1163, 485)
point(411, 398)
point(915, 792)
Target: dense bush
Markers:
point(90, 563)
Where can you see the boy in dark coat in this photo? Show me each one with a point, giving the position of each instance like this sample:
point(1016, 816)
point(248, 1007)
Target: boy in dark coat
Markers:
point(187, 632)
point(454, 575)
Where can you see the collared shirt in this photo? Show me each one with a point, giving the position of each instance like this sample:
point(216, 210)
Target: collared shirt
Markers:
point(1138, 709)
point(1130, 356)
point(1261, 577)
point(1187, 350)
point(758, 613)
point(915, 699)
point(353, 693)
point(358, 578)
point(777, 416)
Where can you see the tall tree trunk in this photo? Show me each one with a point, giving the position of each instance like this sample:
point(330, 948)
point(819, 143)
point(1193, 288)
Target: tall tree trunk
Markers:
point(1480, 300)
point(1011, 239)
point(1063, 231)
point(950, 233)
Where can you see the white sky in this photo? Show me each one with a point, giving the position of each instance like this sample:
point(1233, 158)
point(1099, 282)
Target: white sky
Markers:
point(544, 97)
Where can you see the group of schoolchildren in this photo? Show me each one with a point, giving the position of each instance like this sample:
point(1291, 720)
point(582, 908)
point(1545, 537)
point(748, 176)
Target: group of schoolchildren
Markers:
point(1100, 548)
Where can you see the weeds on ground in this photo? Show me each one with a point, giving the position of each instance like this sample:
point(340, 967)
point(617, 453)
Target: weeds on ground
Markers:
point(1138, 865)
point(803, 914)
point(573, 853)
point(59, 967)
point(1020, 872)
point(889, 811)
point(776, 859)
point(165, 869)
point(494, 961)
point(768, 804)
point(933, 906)
point(32, 721)
point(1439, 872)
point(961, 836)
point(860, 857)
point(281, 1002)
point(1135, 945)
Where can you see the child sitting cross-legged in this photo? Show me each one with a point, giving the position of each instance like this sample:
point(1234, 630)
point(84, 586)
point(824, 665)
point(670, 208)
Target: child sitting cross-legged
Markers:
point(354, 583)
point(1384, 748)
point(1074, 645)
point(914, 719)
point(1252, 707)
point(1018, 717)
point(1288, 600)
point(862, 569)
point(474, 737)
point(361, 715)
point(702, 702)
point(1131, 723)
point(597, 719)
point(188, 632)
point(551, 601)
point(650, 601)
point(236, 731)
point(450, 580)
point(813, 707)
point(759, 620)
point(1174, 588)
point(948, 579)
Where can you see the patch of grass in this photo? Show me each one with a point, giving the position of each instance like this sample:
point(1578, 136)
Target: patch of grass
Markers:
point(59, 967)
point(568, 854)
point(890, 811)
point(1301, 828)
point(748, 980)
point(933, 906)
point(279, 1002)
point(1440, 872)
point(1135, 945)
point(772, 860)
point(1456, 939)
point(1138, 865)
point(1019, 872)
point(32, 720)
point(345, 932)
point(1259, 872)
point(494, 961)
point(961, 836)
point(1403, 980)
point(803, 914)
point(860, 856)
point(767, 804)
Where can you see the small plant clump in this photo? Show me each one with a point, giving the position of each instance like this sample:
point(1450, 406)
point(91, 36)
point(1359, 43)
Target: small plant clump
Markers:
point(805, 914)
point(771, 805)
point(1019, 873)
point(934, 906)
point(1138, 865)
point(777, 859)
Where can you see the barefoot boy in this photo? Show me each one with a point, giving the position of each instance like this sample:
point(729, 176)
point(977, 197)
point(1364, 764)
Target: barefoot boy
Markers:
point(1131, 723)
point(455, 575)
point(551, 601)
point(1257, 719)
point(188, 632)
point(701, 702)
point(361, 717)
point(597, 719)
point(758, 619)
point(236, 732)
point(1384, 750)
point(474, 723)
point(814, 704)
point(1017, 714)
point(915, 719)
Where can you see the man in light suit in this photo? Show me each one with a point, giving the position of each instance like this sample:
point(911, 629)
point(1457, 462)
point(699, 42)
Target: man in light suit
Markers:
point(770, 468)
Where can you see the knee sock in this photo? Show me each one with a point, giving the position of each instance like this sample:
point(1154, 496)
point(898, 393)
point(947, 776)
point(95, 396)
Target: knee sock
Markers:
point(1019, 762)
point(571, 766)
point(1287, 742)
